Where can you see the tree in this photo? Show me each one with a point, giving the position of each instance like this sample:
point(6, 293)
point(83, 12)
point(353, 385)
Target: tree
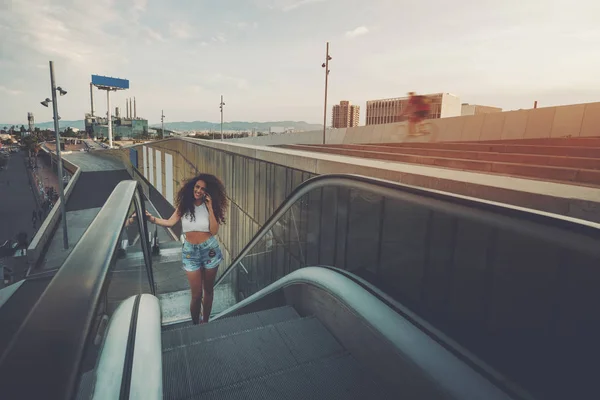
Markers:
point(68, 132)
point(31, 143)
point(22, 129)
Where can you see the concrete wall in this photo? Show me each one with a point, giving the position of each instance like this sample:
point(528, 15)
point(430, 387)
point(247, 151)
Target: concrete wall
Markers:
point(191, 156)
point(253, 174)
point(578, 120)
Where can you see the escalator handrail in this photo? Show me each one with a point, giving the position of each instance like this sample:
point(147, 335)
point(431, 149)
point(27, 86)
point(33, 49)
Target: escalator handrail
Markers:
point(44, 358)
point(475, 209)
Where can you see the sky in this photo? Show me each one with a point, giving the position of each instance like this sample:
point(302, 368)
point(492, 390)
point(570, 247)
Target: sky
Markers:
point(265, 56)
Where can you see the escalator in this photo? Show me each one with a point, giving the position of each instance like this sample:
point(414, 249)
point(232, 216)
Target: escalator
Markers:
point(270, 354)
point(325, 301)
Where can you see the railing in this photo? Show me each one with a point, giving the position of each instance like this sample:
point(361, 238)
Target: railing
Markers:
point(60, 338)
point(514, 286)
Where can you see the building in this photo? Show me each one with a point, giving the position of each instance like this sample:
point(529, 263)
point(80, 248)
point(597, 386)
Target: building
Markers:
point(387, 111)
point(475, 109)
point(30, 122)
point(126, 127)
point(345, 115)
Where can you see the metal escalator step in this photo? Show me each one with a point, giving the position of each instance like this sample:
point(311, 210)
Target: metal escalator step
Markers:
point(279, 314)
point(308, 339)
point(176, 382)
point(224, 327)
point(224, 361)
point(339, 377)
point(179, 325)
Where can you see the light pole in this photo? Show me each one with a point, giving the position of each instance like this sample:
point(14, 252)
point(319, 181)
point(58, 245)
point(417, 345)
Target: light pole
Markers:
point(221, 107)
point(61, 189)
point(162, 123)
point(326, 66)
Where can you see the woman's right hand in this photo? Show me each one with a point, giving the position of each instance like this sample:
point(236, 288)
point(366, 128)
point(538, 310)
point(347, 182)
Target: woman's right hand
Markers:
point(148, 216)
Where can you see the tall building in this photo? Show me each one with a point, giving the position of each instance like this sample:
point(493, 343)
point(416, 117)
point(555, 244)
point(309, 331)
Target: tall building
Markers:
point(475, 109)
point(30, 122)
point(345, 115)
point(387, 111)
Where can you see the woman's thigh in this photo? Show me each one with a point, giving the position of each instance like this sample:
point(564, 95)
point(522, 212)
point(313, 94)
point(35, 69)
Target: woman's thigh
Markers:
point(195, 280)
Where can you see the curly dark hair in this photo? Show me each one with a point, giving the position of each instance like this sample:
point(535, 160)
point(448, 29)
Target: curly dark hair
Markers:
point(214, 188)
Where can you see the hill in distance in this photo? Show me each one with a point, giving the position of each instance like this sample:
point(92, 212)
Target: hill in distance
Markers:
point(50, 125)
point(238, 125)
point(196, 125)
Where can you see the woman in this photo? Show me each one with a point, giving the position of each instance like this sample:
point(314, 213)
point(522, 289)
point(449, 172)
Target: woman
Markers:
point(201, 204)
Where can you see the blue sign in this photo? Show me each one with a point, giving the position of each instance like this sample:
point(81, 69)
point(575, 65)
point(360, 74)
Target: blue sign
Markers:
point(106, 82)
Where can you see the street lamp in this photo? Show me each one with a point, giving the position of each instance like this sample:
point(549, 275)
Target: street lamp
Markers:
point(326, 66)
point(221, 107)
point(63, 207)
point(162, 123)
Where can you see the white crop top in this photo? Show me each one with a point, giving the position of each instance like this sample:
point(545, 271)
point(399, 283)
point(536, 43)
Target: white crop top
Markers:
point(200, 223)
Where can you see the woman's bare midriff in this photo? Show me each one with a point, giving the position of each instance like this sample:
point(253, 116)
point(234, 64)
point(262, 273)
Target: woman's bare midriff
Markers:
point(195, 237)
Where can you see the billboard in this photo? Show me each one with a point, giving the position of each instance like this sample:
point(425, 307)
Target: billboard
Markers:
point(106, 82)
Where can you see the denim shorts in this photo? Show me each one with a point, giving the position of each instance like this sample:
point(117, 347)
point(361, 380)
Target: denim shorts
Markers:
point(204, 255)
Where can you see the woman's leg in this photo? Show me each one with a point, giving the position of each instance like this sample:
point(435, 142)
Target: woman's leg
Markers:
point(195, 279)
point(209, 282)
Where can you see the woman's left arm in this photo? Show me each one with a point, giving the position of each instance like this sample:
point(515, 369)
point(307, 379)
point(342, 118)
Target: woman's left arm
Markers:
point(213, 224)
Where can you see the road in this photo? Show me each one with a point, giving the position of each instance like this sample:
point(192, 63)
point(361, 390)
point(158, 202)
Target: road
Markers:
point(93, 145)
point(17, 200)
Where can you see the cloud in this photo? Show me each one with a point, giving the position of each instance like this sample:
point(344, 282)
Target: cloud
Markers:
point(285, 5)
point(180, 30)
point(219, 38)
point(300, 3)
point(361, 30)
point(41, 29)
point(242, 25)
point(140, 5)
point(153, 35)
point(220, 81)
point(9, 91)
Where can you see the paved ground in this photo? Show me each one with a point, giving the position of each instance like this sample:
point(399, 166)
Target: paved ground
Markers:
point(93, 145)
point(17, 200)
point(94, 161)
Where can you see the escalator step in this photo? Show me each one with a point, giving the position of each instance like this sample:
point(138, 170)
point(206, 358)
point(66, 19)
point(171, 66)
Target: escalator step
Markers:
point(176, 382)
point(218, 363)
point(276, 315)
point(308, 339)
point(339, 377)
point(247, 355)
point(225, 327)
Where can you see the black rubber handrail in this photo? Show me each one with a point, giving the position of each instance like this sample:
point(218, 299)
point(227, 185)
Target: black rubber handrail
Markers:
point(44, 358)
point(577, 234)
